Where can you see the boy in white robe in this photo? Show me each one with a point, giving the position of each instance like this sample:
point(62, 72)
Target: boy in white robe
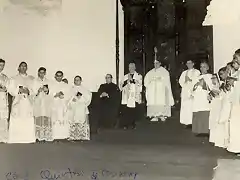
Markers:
point(158, 93)
point(4, 110)
point(78, 112)
point(186, 81)
point(234, 133)
point(22, 127)
point(42, 107)
point(201, 104)
point(131, 87)
point(215, 109)
point(60, 93)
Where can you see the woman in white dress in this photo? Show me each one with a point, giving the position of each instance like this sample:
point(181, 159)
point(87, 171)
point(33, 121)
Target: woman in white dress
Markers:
point(22, 127)
point(78, 111)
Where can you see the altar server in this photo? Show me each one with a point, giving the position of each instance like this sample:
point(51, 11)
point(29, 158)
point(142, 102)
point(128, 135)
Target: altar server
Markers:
point(186, 81)
point(78, 113)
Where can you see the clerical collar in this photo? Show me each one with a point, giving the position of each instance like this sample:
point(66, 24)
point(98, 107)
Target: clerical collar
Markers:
point(41, 79)
point(25, 74)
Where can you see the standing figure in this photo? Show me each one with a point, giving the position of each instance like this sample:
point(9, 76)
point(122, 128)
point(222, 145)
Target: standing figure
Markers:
point(42, 107)
point(201, 103)
point(234, 123)
point(60, 93)
point(22, 127)
point(4, 110)
point(78, 113)
point(109, 96)
point(219, 131)
point(186, 81)
point(158, 93)
point(131, 87)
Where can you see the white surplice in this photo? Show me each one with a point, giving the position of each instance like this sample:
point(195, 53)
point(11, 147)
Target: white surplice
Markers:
point(186, 100)
point(200, 95)
point(22, 127)
point(158, 93)
point(78, 114)
point(43, 111)
point(4, 111)
point(131, 92)
point(234, 122)
point(60, 123)
point(219, 132)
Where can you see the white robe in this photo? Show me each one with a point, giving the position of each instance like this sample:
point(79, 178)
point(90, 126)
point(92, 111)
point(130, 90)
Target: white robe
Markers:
point(78, 114)
point(59, 110)
point(43, 102)
point(79, 109)
point(234, 122)
point(21, 127)
point(131, 93)
point(186, 100)
point(200, 96)
point(4, 112)
point(219, 132)
point(43, 111)
point(158, 93)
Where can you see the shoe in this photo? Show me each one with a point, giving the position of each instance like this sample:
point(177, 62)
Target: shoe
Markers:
point(163, 119)
point(154, 119)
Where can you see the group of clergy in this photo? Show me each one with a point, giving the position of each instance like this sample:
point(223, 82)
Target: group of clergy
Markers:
point(210, 103)
point(52, 110)
point(41, 109)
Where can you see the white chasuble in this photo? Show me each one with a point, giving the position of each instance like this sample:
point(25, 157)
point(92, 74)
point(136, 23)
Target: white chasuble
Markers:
point(158, 93)
point(78, 113)
point(131, 92)
point(200, 93)
point(4, 111)
point(22, 127)
point(59, 110)
point(186, 100)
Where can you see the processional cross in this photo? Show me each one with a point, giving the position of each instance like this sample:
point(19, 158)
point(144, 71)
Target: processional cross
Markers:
point(155, 53)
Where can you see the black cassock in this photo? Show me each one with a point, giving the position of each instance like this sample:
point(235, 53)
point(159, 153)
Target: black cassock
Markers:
point(109, 106)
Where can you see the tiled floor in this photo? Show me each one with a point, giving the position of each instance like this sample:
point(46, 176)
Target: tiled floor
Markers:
point(151, 152)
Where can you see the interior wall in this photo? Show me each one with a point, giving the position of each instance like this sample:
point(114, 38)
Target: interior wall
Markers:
point(226, 28)
point(78, 38)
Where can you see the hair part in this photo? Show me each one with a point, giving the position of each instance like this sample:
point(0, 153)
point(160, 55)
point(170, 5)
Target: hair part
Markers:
point(22, 63)
point(42, 69)
point(59, 72)
point(2, 61)
point(109, 75)
point(78, 77)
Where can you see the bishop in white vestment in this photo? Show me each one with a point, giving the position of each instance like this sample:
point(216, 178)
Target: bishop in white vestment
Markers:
point(22, 127)
point(131, 87)
point(4, 110)
point(186, 81)
point(60, 92)
point(158, 93)
point(42, 107)
point(78, 113)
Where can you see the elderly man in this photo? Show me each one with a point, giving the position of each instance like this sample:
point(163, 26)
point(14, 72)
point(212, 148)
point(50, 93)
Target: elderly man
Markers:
point(131, 87)
point(109, 95)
